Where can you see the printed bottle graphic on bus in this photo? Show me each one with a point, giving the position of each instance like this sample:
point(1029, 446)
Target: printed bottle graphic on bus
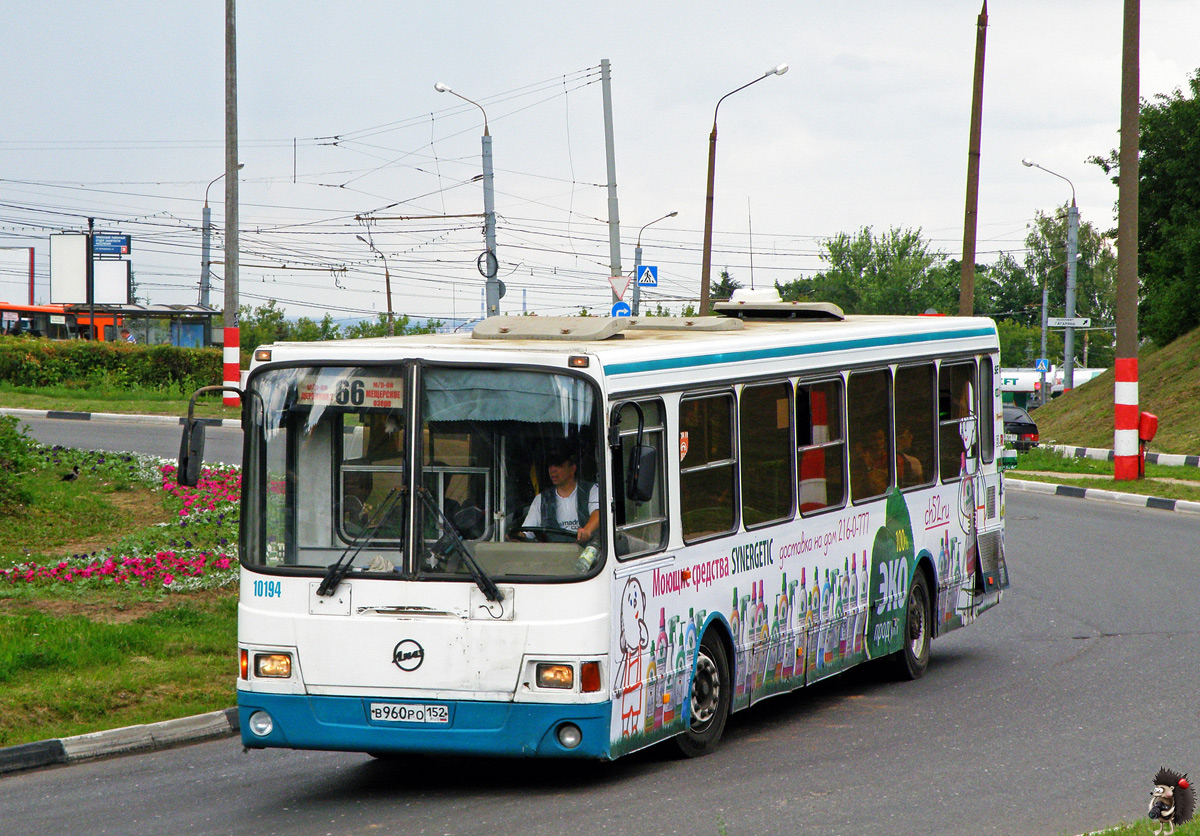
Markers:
point(892, 565)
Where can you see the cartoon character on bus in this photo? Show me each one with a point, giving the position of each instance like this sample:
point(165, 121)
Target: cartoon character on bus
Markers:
point(635, 638)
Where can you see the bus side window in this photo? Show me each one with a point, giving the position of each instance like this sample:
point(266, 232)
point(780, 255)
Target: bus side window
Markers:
point(987, 409)
point(868, 402)
point(820, 446)
point(914, 411)
point(957, 431)
point(707, 467)
point(641, 527)
point(765, 412)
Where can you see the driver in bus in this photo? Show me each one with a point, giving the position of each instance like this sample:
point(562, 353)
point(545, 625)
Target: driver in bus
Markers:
point(567, 501)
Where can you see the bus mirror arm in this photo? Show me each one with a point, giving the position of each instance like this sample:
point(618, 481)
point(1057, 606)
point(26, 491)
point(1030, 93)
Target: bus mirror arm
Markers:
point(643, 459)
point(191, 445)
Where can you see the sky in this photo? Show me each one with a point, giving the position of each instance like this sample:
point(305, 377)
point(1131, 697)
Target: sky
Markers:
point(116, 111)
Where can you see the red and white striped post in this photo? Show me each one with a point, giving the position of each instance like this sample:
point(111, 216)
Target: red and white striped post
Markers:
point(1125, 405)
point(232, 357)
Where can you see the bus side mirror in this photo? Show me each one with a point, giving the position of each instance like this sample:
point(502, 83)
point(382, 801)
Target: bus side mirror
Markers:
point(643, 467)
point(191, 453)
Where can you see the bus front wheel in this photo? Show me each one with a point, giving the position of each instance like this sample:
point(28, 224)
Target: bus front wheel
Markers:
point(711, 697)
point(912, 660)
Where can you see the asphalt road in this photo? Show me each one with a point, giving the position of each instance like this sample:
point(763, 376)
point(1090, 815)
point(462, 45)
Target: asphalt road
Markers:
point(222, 444)
point(1047, 716)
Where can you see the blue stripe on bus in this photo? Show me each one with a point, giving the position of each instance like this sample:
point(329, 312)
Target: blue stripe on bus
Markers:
point(476, 727)
point(642, 366)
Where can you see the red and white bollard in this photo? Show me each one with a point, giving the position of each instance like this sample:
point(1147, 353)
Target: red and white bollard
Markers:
point(1125, 405)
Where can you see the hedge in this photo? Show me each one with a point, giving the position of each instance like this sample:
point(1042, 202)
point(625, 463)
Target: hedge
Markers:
point(25, 361)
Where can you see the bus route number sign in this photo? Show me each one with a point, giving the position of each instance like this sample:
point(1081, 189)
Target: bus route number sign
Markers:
point(391, 712)
point(380, 392)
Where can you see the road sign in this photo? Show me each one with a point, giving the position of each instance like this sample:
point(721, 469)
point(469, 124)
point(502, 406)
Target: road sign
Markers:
point(1068, 322)
point(1042, 365)
point(621, 309)
point(647, 276)
point(108, 244)
point(619, 285)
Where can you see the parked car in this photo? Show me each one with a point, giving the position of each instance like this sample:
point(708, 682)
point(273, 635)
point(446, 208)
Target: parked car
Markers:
point(1019, 429)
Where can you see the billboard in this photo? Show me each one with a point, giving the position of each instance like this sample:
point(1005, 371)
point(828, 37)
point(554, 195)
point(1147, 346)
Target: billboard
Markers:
point(110, 280)
point(16, 274)
point(68, 268)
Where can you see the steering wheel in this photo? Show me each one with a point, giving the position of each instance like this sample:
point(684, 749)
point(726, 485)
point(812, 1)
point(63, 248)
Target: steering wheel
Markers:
point(545, 534)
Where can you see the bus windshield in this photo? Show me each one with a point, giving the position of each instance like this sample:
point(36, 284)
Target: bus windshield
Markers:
point(505, 482)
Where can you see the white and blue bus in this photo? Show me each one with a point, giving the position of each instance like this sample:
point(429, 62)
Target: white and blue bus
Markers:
point(773, 494)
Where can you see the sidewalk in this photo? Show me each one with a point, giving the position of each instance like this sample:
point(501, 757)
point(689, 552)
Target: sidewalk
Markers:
point(114, 416)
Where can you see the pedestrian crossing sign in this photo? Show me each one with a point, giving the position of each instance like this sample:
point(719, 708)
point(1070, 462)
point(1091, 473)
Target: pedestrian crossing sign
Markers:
point(647, 276)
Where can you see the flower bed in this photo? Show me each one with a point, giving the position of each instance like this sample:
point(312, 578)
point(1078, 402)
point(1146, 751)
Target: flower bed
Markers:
point(198, 551)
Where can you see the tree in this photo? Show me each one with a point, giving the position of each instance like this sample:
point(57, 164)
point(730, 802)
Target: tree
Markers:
point(895, 273)
point(1168, 212)
point(722, 291)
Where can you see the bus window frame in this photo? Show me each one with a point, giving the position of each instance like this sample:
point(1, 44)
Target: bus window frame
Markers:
point(841, 442)
point(730, 393)
point(790, 390)
point(973, 378)
point(889, 434)
point(932, 476)
point(986, 415)
point(661, 480)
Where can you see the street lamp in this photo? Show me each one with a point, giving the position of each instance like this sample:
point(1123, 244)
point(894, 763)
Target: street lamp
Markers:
point(206, 232)
point(1072, 247)
point(637, 262)
point(706, 264)
point(487, 263)
point(387, 283)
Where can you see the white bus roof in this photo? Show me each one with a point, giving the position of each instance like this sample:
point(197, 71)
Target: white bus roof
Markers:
point(640, 352)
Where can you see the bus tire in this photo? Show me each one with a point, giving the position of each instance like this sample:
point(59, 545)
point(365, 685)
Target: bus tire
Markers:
point(711, 697)
point(912, 659)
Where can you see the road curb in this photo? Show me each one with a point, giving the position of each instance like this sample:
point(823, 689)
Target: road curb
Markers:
point(115, 416)
point(1101, 454)
point(123, 741)
point(1137, 500)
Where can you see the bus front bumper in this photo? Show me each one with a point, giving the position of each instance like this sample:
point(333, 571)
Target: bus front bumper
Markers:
point(345, 724)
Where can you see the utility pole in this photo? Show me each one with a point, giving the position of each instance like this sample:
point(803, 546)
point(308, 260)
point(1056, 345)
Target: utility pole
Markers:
point(966, 293)
point(1125, 401)
point(614, 219)
point(231, 353)
point(1069, 338)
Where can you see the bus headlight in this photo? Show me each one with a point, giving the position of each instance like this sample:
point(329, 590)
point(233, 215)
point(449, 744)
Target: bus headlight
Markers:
point(274, 665)
point(551, 675)
point(261, 724)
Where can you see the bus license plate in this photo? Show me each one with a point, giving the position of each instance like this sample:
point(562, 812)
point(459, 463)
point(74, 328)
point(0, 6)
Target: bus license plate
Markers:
point(390, 712)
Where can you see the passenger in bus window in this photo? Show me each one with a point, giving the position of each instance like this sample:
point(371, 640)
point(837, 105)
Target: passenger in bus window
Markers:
point(567, 501)
point(871, 470)
point(127, 337)
point(908, 467)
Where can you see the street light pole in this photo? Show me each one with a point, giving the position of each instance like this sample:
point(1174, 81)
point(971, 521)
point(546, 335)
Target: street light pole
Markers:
point(387, 283)
point(1072, 247)
point(706, 257)
point(490, 265)
point(206, 234)
point(637, 262)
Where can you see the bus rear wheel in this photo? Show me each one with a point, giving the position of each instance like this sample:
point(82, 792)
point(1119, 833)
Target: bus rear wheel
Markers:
point(912, 660)
point(710, 699)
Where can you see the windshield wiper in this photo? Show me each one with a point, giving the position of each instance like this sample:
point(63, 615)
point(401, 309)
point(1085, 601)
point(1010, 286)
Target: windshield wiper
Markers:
point(338, 570)
point(485, 584)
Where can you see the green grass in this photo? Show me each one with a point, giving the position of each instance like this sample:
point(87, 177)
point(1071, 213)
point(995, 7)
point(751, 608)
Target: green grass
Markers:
point(1168, 386)
point(82, 651)
point(67, 668)
point(105, 398)
point(1161, 480)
